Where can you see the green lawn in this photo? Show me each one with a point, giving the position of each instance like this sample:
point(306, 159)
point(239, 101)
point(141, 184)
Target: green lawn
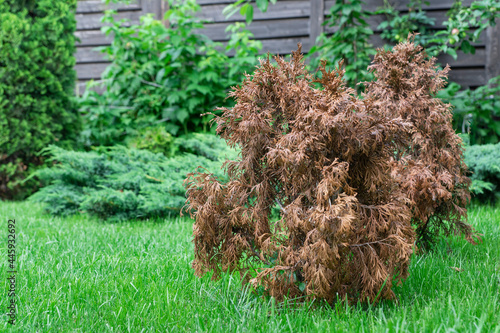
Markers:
point(82, 275)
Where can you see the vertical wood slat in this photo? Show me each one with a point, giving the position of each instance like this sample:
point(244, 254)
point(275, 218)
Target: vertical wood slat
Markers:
point(163, 9)
point(316, 20)
point(493, 51)
point(156, 7)
point(152, 6)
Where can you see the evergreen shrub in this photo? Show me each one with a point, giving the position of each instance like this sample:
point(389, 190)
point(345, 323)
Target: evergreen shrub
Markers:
point(118, 183)
point(37, 82)
point(484, 163)
point(155, 139)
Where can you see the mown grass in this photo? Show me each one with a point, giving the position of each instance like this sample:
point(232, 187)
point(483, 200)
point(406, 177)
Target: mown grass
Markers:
point(78, 274)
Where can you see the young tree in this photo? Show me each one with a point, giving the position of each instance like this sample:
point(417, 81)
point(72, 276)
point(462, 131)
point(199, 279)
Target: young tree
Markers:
point(37, 81)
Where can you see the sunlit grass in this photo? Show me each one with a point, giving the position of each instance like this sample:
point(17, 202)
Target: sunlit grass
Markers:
point(78, 274)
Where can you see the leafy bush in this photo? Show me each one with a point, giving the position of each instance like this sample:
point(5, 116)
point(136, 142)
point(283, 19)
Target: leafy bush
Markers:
point(245, 50)
point(155, 139)
point(37, 81)
point(398, 26)
point(349, 43)
point(158, 75)
point(484, 163)
point(209, 146)
point(476, 112)
point(322, 156)
point(463, 26)
point(246, 9)
point(118, 183)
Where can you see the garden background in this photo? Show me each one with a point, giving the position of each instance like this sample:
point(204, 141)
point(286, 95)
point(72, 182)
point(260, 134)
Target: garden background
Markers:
point(105, 112)
point(280, 29)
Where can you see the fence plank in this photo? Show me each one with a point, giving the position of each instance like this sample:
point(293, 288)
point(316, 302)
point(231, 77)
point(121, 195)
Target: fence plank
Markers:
point(316, 19)
point(214, 2)
point(152, 6)
point(90, 71)
point(377, 40)
point(285, 45)
point(464, 60)
point(227, 2)
point(89, 55)
point(262, 29)
point(375, 20)
point(282, 9)
point(493, 51)
point(402, 5)
point(469, 77)
point(97, 6)
point(92, 38)
point(92, 21)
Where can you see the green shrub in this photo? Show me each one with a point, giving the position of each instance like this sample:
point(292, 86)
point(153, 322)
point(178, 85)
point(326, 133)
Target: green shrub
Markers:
point(155, 139)
point(464, 25)
point(484, 163)
point(117, 183)
point(158, 75)
point(476, 111)
point(350, 43)
point(398, 25)
point(37, 80)
point(209, 146)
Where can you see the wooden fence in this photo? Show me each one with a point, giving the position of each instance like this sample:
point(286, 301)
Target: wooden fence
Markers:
point(89, 62)
point(285, 24)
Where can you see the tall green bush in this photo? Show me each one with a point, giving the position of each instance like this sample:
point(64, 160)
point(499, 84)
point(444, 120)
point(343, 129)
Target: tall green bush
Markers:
point(168, 76)
point(36, 85)
point(476, 112)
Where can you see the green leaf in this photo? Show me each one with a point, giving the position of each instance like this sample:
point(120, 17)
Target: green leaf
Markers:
point(243, 9)
point(249, 14)
point(262, 5)
point(182, 115)
point(466, 47)
point(452, 52)
point(497, 127)
point(192, 103)
point(231, 12)
point(160, 74)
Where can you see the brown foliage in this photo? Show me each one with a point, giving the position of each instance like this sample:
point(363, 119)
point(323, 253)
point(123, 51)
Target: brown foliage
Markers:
point(324, 157)
point(430, 168)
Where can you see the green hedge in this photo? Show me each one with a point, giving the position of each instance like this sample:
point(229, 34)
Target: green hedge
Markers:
point(484, 163)
point(37, 81)
point(118, 183)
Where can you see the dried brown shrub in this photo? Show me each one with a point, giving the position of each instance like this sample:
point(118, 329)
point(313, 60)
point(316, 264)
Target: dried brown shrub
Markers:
point(324, 157)
point(430, 168)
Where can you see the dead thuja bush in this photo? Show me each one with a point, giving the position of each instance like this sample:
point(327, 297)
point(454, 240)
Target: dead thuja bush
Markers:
point(323, 156)
point(430, 169)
